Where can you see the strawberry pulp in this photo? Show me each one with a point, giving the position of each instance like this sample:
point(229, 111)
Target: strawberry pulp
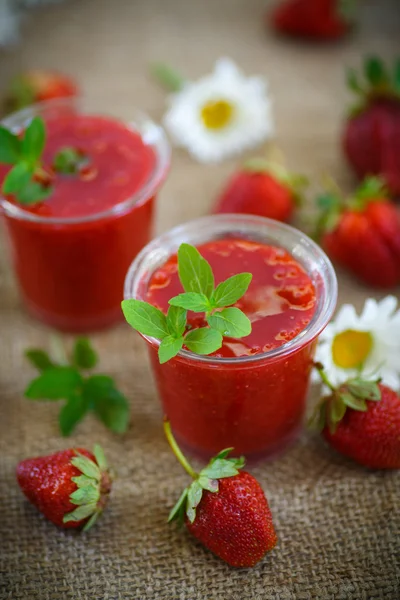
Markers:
point(255, 406)
point(71, 271)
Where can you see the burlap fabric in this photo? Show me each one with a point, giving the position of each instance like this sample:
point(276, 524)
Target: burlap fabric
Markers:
point(338, 524)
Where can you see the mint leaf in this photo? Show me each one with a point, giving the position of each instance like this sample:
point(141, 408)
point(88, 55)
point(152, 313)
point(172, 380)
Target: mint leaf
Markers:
point(54, 384)
point(231, 290)
point(145, 318)
point(191, 301)
point(108, 402)
point(231, 322)
point(34, 192)
point(176, 321)
point(10, 147)
point(84, 356)
point(203, 340)
point(195, 272)
point(33, 141)
point(169, 348)
point(375, 72)
point(39, 359)
point(17, 178)
point(72, 413)
point(68, 160)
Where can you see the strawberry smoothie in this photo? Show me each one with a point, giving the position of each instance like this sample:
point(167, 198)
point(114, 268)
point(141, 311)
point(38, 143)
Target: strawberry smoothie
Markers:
point(71, 252)
point(251, 393)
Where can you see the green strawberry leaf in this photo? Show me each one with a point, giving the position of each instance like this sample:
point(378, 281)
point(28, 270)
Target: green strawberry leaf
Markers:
point(86, 466)
point(194, 496)
point(220, 468)
point(85, 495)
point(145, 318)
point(317, 420)
point(72, 413)
point(396, 77)
point(203, 340)
point(176, 321)
point(223, 454)
point(84, 356)
point(39, 359)
point(353, 81)
point(195, 272)
point(231, 290)
point(353, 402)
point(84, 481)
point(367, 390)
point(375, 72)
point(33, 141)
point(100, 457)
point(231, 322)
point(179, 509)
point(10, 147)
point(169, 347)
point(208, 484)
point(17, 179)
point(80, 513)
point(54, 383)
point(191, 301)
point(108, 403)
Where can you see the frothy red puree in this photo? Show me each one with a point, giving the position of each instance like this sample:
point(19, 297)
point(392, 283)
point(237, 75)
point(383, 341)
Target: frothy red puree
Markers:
point(280, 301)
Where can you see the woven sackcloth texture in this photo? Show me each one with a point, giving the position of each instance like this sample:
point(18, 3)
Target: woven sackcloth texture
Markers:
point(338, 524)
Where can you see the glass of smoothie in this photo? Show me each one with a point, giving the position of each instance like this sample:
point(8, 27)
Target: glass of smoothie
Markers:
point(250, 394)
point(71, 252)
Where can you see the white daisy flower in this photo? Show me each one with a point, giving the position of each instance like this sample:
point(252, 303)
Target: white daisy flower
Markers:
point(221, 114)
point(366, 345)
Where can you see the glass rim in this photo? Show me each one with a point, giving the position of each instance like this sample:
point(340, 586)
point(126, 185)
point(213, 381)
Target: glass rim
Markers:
point(214, 224)
point(159, 143)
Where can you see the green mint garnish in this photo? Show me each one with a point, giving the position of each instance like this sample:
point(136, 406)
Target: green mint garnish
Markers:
point(69, 161)
point(200, 295)
point(83, 393)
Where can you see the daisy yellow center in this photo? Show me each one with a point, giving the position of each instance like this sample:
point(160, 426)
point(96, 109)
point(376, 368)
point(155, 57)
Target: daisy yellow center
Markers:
point(217, 114)
point(350, 348)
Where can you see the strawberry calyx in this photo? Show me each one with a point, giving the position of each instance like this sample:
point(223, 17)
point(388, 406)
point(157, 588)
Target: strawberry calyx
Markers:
point(352, 394)
point(93, 488)
point(294, 181)
point(219, 467)
point(376, 83)
point(347, 10)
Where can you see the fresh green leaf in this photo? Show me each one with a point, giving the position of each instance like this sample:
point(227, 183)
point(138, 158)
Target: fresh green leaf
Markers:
point(84, 356)
point(72, 413)
point(194, 496)
point(10, 147)
point(168, 77)
point(219, 469)
point(396, 77)
point(84, 481)
point(34, 140)
point(145, 318)
point(33, 192)
point(109, 404)
point(89, 524)
point(317, 420)
point(179, 508)
point(231, 322)
point(375, 72)
point(337, 409)
point(39, 359)
point(208, 484)
point(100, 457)
point(169, 347)
point(68, 160)
point(17, 178)
point(54, 384)
point(191, 301)
point(353, 82)
point(85, 495)
point(353, 402)
point(223, 454)
point(367, 390)
point(195, 272)
point(86, 466)
point(176, 321)
point(80, 513)
point(231, 290)
point(203, 340)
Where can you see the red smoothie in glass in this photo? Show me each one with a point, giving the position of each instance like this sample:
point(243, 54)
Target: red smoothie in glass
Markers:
point(71, 252)
point(257, 408)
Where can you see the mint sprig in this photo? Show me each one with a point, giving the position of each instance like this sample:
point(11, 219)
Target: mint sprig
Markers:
point(83, 393)
point(201, 296)
point(28, 181)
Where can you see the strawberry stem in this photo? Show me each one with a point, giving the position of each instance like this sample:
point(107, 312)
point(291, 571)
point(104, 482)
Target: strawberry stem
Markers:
point(176, 450)
point(323, 375)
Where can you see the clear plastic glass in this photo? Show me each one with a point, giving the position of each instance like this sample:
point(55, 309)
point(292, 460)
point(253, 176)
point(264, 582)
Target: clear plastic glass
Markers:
point(71, 270)
point(256, 403)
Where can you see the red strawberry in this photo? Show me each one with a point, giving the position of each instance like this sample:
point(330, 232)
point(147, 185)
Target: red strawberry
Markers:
point(226, 510)
point(36, 86)
point(70, 487)
point(362, 233)
point(362, 421)
point(315, 19)
point(371, 139)
point(261, 188)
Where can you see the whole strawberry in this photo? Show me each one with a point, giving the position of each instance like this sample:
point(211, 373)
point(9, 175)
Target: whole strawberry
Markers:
point(37, 86)
point(371, 138)
point(314, 19)
point(261, 188)
point(225, 509)
point(70, 488)
point(361, 419)
point(362, 233)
